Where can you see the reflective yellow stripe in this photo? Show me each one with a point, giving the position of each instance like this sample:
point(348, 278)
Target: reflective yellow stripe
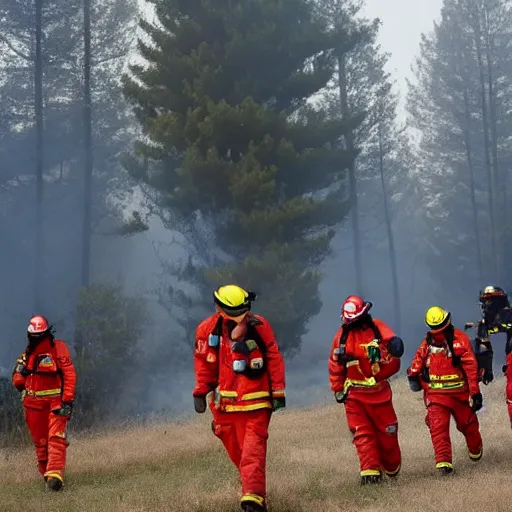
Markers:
point(278, 393)
point(228, 394)
point(475, 456)
point(370, 472)
point(444, 377)
point(256, 395)
point(368, 383)
point(52, 474)
point(444, 465)
point(446, 385)
point(393, 473)
point(252, 407)
point(254, 498)
point(352, 363)
point(46, 392)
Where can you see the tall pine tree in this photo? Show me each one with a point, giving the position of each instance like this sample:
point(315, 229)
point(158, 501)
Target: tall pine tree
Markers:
point(362, 87)
point(459, 105)
point(229, 155)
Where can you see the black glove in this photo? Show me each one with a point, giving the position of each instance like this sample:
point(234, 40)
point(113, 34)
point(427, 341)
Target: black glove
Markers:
point(487, 377)
point(477, 402)
point(25, 371)
point(200, 404)
point(468, 325)
point(504, 368)
point(414, 383)
point(278, 403)
point(66, 409)
point(341, 396)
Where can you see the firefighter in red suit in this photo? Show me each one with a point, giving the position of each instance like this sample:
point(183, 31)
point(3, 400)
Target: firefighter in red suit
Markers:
point(237, 357)
point(46, 377)
point(445, 367)
point(365, 353)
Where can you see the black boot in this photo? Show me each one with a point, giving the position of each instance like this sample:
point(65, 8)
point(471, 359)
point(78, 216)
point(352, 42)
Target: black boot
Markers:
point(477, 457)
point(371, 479)
point(54, 484)
point(445, 470)
point(249, 506)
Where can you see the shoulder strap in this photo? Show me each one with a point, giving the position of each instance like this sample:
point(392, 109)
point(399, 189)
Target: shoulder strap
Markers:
point(217, 331)
point(255, 323)
point(376, 331)
point(344, 336)
point(450, 335)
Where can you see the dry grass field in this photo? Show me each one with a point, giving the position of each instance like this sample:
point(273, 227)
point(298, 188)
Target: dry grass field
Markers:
point(312, 467)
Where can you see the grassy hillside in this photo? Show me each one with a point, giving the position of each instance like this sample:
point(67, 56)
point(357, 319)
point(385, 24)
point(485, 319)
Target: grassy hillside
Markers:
point(312, 467)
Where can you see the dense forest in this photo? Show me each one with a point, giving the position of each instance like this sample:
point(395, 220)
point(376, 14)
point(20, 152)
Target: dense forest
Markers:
point(254, 134)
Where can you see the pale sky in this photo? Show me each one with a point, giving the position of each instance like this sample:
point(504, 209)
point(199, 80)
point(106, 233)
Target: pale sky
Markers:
point(403, 21)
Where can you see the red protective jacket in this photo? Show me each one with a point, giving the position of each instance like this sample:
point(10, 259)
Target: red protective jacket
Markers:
point(52, 372)
point(213, 366)
point(366, 382)
point(445, 378)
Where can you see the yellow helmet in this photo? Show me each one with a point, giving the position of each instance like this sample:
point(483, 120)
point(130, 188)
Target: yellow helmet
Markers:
point(233, 300)
point(437, 319)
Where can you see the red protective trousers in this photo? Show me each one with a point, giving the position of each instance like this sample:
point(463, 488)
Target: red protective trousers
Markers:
point(439, 413)
point(508, 391)
point(244, 435)
point(48, 431)
point(375, 430)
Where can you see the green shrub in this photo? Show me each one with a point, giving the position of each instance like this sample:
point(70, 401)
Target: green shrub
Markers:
point(109, 326)
point(12, 419)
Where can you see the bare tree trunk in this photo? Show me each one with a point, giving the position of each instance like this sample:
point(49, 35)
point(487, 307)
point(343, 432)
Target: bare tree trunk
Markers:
point(501, 242)
point(467, 137)
point(38, 110)
point(391, 240)
point(352, 177)
point(87, 121)
point(487, 149)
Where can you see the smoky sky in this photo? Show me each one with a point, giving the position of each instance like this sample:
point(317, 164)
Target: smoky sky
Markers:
point(139, 271)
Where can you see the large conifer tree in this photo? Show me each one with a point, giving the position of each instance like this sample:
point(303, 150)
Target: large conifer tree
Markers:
point(232, 145)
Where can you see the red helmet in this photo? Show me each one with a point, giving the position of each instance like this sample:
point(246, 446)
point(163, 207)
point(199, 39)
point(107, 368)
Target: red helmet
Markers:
point(37, 326)
point(354, 308)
